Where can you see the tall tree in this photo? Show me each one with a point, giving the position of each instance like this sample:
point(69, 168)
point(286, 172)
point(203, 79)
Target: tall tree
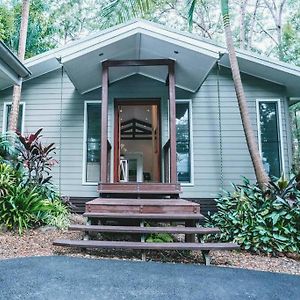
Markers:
point(13, 119)
point(260, 173)
point(276, 11)
point(261, 176)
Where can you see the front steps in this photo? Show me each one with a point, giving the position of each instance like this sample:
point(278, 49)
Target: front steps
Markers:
point(144, 230)
point(132, 210)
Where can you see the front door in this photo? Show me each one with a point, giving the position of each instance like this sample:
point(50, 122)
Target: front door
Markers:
point(137, 141)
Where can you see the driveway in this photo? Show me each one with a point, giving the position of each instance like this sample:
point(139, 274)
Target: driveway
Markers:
point(60, 277)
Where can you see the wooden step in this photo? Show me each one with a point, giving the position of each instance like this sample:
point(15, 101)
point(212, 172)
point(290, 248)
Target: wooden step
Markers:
point(139, 216)
point(137, 229)
point(145, 246)
point(121, 205)
point(139, 188)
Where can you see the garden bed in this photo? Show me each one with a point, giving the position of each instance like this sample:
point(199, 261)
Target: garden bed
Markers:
point(38, 242)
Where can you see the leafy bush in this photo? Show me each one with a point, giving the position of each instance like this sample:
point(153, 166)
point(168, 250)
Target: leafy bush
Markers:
point(8, 177)
point(22, 208)
point(261, 221)
point(160, 238)
point(25, 206)
point(36, 158)
point(8, 152)
point(57, 214)
point(27, 196)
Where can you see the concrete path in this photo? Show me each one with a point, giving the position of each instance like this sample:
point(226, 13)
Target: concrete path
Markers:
point(61, 277)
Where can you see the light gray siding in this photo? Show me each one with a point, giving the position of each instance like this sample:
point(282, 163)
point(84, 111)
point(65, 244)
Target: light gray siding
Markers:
point(53, 103)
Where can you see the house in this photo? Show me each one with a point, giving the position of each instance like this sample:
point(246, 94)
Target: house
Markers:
point(157, 106)
point(11, 69)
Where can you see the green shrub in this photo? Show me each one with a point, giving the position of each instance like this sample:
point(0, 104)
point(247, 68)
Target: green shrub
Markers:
point(25, 207)
point(8, 177)
point(57, 214)
point(160, 238)
point(22, 208)
point(261, 221)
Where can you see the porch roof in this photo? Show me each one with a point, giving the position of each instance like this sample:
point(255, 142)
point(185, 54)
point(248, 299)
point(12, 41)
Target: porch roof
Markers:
point(194, 57)
point(11, 69)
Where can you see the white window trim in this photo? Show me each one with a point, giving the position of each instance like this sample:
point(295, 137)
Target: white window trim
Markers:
point(189, 101)
point(4, 129)
point(84, 163)
point(278, 101)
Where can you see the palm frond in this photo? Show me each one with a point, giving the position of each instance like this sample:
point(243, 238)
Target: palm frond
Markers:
point(124, 10)
point(191, 6)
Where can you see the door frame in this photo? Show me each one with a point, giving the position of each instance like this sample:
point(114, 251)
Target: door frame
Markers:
point(133, 102)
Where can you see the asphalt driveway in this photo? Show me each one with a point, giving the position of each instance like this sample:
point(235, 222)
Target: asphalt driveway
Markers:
point(60, 277)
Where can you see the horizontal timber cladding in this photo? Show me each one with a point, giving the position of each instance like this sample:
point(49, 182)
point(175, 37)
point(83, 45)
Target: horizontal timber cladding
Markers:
point(59, 109)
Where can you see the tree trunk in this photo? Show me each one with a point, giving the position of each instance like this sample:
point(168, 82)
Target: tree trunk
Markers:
point(261, 176)
point(276, 12)
point(14, 114)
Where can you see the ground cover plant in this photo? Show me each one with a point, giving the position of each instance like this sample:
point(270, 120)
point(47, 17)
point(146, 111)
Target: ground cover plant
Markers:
point(266, 221)
point(27, 195)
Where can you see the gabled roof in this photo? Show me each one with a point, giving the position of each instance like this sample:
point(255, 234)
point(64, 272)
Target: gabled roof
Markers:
point(11, 69)
point(139, 39)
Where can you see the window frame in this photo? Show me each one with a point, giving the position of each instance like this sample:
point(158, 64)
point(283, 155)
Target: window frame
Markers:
point(84, 161)
point(189, 101)
point(280, 133)
point(5, 105)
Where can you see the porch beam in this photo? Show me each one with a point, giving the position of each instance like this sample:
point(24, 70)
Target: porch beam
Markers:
point(172, 114)
point(138, 62)
point(104, 114)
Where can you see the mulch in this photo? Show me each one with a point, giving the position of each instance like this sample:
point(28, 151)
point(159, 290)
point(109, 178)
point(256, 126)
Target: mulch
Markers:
point(38, 242)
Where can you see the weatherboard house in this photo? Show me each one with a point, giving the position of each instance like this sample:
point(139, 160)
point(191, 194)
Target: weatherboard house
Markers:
point(146, 111)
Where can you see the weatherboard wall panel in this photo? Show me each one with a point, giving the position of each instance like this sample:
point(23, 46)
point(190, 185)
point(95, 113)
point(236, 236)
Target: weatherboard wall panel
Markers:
point(45, 96)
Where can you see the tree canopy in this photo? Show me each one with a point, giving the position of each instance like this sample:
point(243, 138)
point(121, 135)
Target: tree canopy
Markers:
point(269, 27)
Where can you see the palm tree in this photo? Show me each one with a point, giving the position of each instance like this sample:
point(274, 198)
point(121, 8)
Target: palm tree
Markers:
point(260, 173)
point(14, 114)
point(136, 8)
point(261, 176)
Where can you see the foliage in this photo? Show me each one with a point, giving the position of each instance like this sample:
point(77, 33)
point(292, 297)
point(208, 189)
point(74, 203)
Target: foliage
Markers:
point(22, 207)
point(57, 214)
point(27, 197)
point(36, 158)
point(261, 221)
point(160, 238)
point(123, 10)
point(40, 28)
point(8, 178)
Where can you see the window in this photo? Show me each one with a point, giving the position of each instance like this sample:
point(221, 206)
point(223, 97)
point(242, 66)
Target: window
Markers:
point(183, 140)
point(92, 126)
point(6, 114)
point(269, 135)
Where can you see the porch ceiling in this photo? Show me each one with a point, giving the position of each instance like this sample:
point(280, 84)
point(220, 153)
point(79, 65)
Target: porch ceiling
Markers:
point(85, 70)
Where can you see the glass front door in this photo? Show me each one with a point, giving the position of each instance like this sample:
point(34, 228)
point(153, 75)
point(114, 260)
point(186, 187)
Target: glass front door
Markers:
point(137, 139)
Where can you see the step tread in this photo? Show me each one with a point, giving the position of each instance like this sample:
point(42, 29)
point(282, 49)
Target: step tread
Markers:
point(161, 216)
point(137, 229)
point(146, 246)
point(134, 202)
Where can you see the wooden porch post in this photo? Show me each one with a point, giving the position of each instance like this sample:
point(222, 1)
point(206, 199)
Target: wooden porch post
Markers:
point(104, 113)
point(172, 120)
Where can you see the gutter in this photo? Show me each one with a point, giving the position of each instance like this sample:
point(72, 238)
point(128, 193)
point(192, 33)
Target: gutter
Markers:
point(13, 62)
